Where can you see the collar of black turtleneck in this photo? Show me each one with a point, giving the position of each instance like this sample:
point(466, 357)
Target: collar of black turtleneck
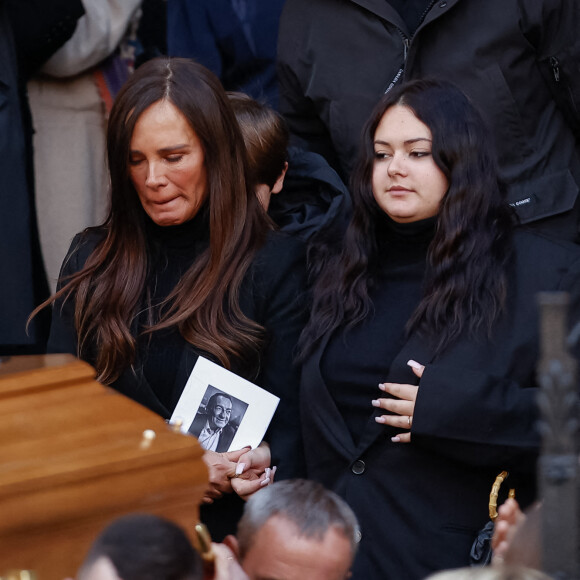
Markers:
point(187, 235)
point(418, 233)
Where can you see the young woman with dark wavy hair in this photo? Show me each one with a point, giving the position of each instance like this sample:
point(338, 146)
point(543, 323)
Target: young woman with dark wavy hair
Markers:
point(418, 380)
point(185, 264)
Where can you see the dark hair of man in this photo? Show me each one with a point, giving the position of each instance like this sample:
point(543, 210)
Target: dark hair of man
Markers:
point(308, 505)
point(266, 136)
point(465, 284)
point(146, 547)
point(213, 400)
point(204, 305)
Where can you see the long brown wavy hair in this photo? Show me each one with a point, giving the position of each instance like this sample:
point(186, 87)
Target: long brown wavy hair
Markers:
point(465, 283)
point(110, 289)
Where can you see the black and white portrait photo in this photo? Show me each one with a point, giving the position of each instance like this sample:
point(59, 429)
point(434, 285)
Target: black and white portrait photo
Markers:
point(217, 420)
point(223, 410)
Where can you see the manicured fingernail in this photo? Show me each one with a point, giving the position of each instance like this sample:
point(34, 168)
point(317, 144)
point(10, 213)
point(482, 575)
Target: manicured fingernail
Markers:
point(240, 468)
point(414, 364)
point(274, 469)
point(265, 482)
point(268, 470)
point(381, 386)
point(376, 403)
point(379, 420)
point(395, 439)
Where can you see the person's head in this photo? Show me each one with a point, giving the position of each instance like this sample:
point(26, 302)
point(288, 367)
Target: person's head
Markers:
point(490, 573)
point(426, 150)
point(141, 547)
point(425, 153)
point(266, 137)
point(297, 529)
point(173, 143)
point(219, 410)
point(175, 150)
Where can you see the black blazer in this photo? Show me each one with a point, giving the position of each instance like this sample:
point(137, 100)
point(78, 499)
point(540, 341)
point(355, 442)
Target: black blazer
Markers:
point(421, 504)
point(272, 294)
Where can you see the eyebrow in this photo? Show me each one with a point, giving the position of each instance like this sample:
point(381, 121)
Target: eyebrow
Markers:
point(165, 150)
point(407, 142)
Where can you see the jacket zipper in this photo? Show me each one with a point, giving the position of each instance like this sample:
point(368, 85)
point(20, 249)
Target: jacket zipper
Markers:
point(555, 64)
point(406, 45)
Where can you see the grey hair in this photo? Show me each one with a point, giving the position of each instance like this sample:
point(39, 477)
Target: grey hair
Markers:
point(311, 507)
point(490, 573)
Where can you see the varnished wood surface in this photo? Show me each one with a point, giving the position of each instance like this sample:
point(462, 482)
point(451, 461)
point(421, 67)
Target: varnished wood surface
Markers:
point(73, 457)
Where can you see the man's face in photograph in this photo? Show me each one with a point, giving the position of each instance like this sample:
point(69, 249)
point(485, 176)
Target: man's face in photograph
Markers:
point(220, 413)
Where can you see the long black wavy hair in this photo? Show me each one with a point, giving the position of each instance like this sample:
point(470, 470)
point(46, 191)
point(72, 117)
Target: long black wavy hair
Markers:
point(465, 282)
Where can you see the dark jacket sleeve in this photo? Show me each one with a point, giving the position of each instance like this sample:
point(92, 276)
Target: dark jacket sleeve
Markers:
point(307, 129)
point(63, 337)
point(488, 414)
point(41, 28)
point(552, 29)
point(476, 417)
point(280, 288)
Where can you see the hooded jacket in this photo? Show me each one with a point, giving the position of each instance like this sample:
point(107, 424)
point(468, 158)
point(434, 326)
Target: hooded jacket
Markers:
point(519, 62)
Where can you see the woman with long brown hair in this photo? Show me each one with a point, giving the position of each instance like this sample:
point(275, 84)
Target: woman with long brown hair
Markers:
point(185, 264)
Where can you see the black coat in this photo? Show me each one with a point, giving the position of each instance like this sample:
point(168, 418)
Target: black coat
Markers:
point(314, 199)
point(273, 295)
point(30, 32)
point(336, 59)
point(421, 504)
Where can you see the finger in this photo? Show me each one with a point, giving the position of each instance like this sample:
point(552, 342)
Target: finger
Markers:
point(234, 456)
point(397, 421)
point(402, 438)
point(500, 533)
point(226, 565)
point(210, 495)
point(400, 391)
point(397, 406)
point(417, 368)
point(213, 493)
point(244, 487)
point(499, 552)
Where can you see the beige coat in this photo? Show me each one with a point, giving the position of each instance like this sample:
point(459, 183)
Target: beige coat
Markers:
point(69, 118)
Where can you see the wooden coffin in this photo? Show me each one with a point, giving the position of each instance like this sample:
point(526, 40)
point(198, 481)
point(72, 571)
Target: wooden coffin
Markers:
point(73, 456)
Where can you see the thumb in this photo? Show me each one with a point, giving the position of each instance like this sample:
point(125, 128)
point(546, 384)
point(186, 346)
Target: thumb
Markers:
point(234, 456)
point(417, 368)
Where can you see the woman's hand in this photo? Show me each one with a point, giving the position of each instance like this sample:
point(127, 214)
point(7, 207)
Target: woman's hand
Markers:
point(402, 405)
point(253, 471)
point(221, 468)
point(509, 519)
point(226, 567)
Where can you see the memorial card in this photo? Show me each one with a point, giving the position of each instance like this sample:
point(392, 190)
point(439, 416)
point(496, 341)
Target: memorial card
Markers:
point(224, 411)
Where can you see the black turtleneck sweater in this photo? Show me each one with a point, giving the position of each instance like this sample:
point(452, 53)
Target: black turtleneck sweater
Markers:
point(172, 251)
point(357, 360)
